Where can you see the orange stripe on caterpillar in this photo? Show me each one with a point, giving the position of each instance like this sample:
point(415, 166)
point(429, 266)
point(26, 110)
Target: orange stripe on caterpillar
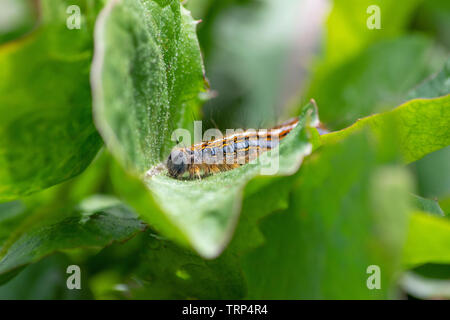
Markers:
point(226, 153)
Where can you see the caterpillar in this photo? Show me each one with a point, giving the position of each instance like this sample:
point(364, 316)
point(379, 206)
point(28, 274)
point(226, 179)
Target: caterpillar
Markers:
point(226, 153)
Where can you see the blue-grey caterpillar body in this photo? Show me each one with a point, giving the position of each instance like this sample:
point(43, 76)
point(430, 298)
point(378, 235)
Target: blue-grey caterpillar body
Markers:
point(226, 153)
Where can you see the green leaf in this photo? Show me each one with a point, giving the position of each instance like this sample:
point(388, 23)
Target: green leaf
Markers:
point(375, 80)
point(433, 174)
point(147, 78)
point(11, 213)
point(427, 237)
point(348, 211)
point(420, 126)
point(167, 271)
point(428, 240)
point(45, 280)
point(436, 86)
point(46, 130)
point(445, 205)
point(367, 70)
point(97, 222)
point(433, 171)
point(427, 205)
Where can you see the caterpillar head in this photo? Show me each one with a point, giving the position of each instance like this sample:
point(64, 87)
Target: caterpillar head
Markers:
point(178, 162)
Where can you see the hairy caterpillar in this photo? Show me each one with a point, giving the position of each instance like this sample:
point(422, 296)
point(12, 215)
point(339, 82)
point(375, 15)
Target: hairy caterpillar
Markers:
point(226, 153)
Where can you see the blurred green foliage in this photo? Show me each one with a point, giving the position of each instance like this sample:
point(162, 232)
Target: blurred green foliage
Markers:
point(341, 202)
point(45, 104)
point(246, 45)
point(17, 18)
